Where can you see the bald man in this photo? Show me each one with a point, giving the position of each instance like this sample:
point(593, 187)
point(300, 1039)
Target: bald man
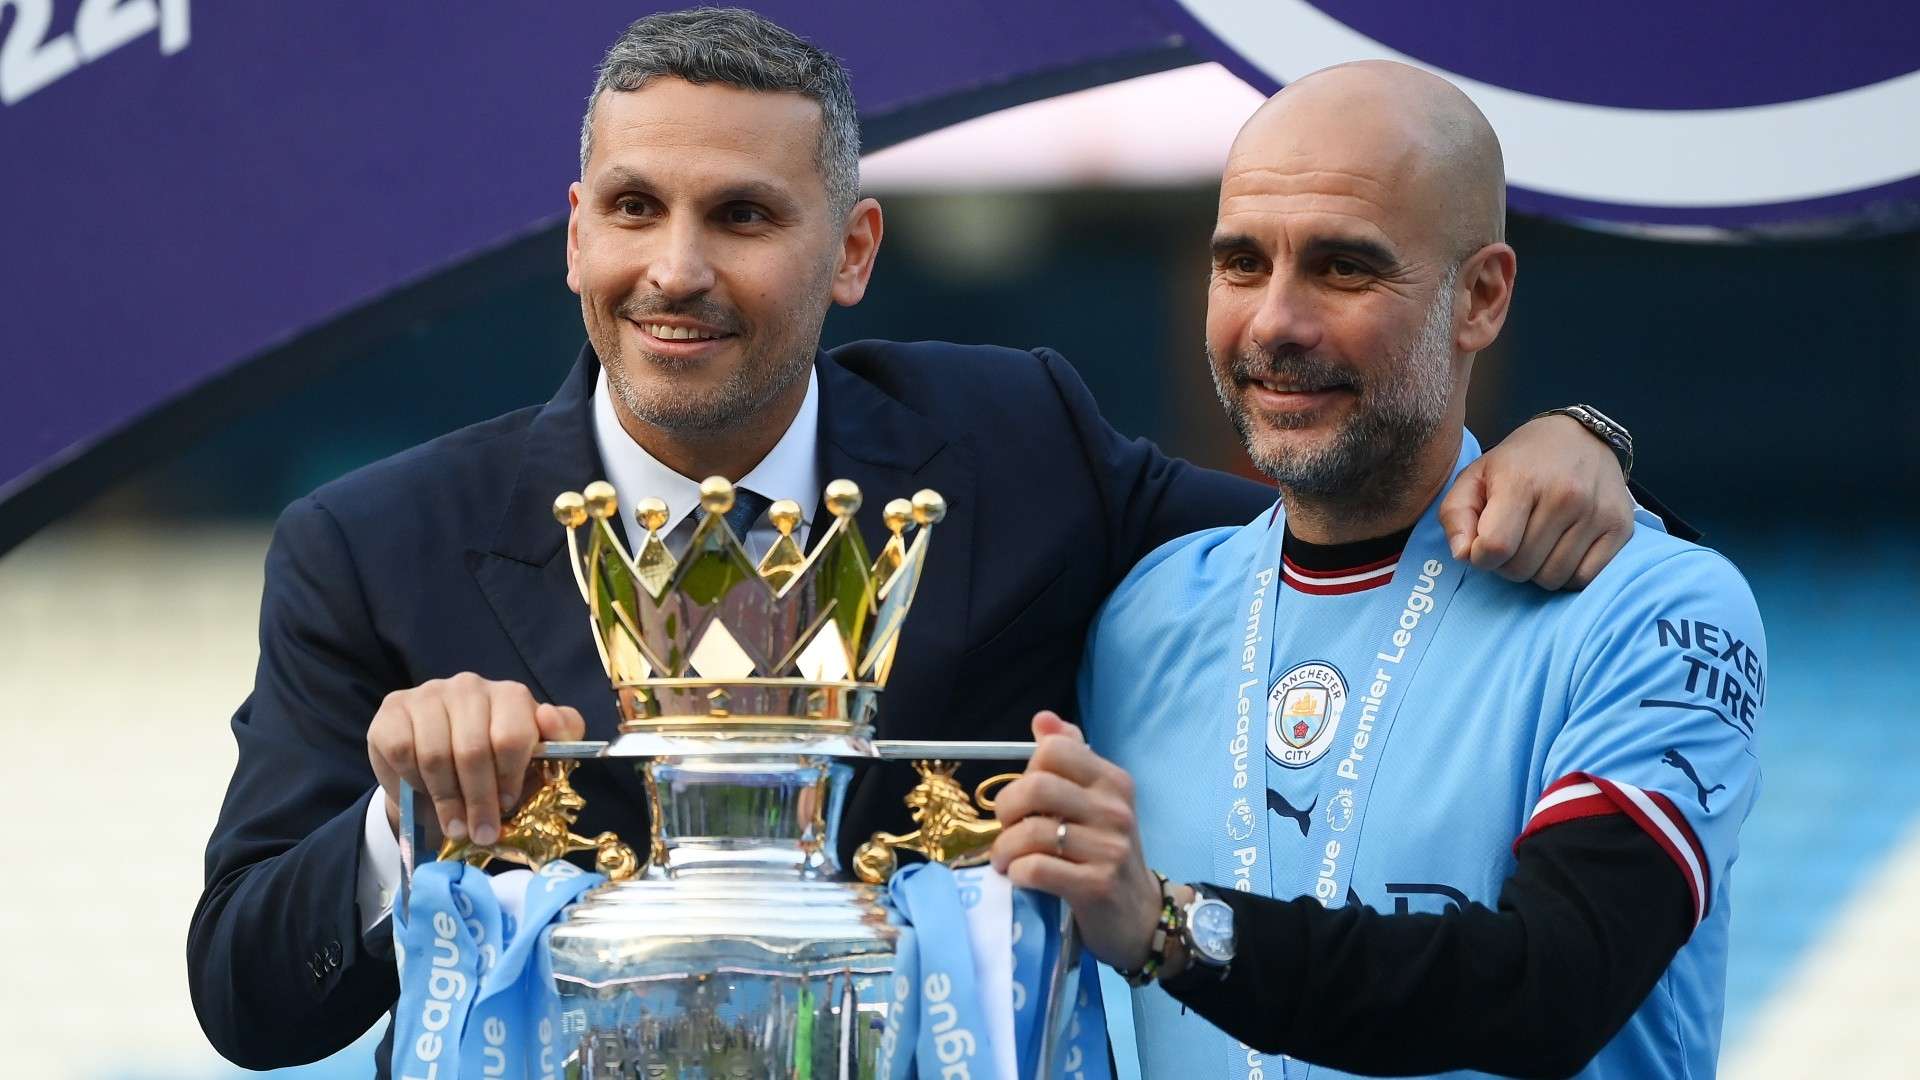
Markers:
point(1427, 820)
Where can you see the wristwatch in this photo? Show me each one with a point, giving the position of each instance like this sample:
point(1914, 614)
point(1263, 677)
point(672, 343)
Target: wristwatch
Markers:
point(1618, 438)
point(1207, 932)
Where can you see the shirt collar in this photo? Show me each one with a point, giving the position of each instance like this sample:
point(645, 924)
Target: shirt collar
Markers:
point(789, 471)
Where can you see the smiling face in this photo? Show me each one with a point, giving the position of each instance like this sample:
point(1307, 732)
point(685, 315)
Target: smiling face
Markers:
point(705, 253)
point(1341, 256)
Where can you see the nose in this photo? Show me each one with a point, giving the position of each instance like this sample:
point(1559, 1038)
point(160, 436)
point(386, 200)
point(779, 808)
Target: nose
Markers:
point(680, 269)
point(1287, 315)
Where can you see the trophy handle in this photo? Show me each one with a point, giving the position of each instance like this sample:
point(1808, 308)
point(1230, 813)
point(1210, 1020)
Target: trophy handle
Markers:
point(542, 831)
point(951, 828)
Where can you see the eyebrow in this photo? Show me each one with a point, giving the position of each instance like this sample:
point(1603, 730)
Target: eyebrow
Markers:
point(1225, 244)
point(622, 178)
point(1358, 247)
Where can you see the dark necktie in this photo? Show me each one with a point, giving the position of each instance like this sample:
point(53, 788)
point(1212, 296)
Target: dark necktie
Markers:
point(747, 508)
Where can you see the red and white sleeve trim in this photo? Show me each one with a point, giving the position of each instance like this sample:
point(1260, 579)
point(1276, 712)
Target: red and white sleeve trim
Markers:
point(1578, 795)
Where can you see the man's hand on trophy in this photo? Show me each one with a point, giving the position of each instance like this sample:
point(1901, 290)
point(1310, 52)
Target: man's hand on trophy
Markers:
point(1547, 505)
point(1068, 829)
point(467, 742)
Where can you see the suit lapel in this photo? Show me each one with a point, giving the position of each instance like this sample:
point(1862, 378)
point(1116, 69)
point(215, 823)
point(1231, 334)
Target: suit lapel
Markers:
point(523, 568)
point(891, 452)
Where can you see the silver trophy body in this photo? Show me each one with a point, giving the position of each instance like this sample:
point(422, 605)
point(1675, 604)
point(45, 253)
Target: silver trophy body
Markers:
point(739, 952)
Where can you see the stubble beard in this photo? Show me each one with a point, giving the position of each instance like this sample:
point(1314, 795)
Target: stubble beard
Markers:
point(783, 354)
point(1368, 463)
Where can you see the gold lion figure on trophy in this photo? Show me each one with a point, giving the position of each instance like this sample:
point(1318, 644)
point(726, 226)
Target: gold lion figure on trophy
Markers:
point(950, 830)
point(542, 831)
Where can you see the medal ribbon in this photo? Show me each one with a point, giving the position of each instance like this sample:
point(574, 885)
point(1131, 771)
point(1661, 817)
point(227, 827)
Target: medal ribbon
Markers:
point(1240, 847)
point(1409, 610)
point(1242, 851)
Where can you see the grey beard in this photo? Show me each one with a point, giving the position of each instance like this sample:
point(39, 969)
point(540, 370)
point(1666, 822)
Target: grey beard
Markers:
point(1369, 461)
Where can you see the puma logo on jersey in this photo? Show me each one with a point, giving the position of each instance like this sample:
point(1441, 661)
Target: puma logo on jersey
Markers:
point(1278, 803)
point(1673, 757)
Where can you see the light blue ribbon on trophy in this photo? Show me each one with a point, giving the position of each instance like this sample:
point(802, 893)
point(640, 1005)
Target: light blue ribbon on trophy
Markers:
point(1033, 949)
point(902, 1029)
point(987, 897)
point(515, 1018)
point(446, 934)
point(1084, 1054)
point(476, 985)
point(936, 1023)
point(952, 1027)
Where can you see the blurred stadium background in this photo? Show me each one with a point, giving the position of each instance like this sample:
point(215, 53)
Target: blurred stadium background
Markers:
point(1770, 387)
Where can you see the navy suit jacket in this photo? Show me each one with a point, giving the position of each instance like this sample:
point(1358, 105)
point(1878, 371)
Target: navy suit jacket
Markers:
point(446, 558)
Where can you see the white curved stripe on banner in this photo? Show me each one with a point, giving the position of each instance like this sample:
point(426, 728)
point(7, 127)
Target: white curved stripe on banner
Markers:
point(1754, 155)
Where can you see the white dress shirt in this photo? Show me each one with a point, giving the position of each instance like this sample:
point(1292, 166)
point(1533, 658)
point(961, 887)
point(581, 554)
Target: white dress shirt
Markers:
point(791, 470)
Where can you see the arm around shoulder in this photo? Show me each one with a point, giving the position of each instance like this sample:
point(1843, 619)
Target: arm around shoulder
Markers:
point(1149, 498)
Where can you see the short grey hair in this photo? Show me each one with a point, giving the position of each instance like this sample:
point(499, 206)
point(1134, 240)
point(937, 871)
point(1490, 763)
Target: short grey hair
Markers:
point(739, 48)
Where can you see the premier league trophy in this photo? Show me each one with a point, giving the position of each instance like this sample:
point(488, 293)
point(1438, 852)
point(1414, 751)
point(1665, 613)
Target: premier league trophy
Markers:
point(731, 945)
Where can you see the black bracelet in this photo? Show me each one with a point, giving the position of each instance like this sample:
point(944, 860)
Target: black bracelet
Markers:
point(1170, 922)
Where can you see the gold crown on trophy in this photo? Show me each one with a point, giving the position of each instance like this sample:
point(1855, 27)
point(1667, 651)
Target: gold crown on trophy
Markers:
point(707, 639)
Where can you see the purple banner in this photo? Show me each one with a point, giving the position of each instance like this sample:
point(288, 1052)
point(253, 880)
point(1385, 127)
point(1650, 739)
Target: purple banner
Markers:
point(188, 189)
point(1718, 114)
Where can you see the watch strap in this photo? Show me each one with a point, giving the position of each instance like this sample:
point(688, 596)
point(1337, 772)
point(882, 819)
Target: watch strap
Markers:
point(1199, 971)
point(1604, 427)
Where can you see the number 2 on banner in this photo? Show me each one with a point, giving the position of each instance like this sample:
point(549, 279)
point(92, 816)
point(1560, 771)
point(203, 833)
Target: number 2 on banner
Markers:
point(29, 59)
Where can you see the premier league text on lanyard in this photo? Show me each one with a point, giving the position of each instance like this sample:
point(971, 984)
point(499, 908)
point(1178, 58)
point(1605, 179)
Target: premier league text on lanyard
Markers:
point(1401, 622)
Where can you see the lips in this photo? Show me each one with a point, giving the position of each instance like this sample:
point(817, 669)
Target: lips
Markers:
point(1289, 396)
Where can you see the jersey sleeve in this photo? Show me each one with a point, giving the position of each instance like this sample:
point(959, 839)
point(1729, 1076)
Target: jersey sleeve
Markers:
point(1666, 693)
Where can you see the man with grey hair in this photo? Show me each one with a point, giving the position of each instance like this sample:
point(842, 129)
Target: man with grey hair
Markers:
point(419, 622)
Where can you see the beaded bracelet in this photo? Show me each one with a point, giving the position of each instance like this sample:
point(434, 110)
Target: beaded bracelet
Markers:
point(1169, 925)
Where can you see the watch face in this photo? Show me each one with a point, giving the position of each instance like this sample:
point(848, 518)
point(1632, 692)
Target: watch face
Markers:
point(1212, 931)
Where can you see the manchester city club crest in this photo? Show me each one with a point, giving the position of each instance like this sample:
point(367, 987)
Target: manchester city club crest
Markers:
point(1303, 713)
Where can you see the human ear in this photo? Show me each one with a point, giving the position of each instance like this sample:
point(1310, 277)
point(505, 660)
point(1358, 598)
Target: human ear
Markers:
point(573, 236)
point(1487, 277)
point(859, 246)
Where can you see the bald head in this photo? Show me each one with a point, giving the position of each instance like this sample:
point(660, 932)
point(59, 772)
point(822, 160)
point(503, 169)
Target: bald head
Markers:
point(1417, 136)
point(1358, 269)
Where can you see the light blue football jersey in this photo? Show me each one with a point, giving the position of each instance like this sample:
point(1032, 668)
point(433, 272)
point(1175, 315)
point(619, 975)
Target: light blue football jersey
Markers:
point(1390, 746)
